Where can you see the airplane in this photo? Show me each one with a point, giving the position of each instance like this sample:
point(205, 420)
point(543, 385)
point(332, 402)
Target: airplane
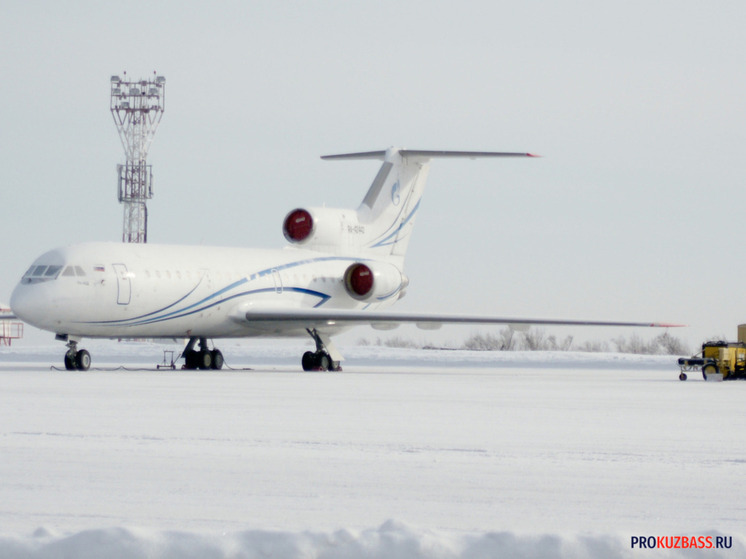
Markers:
point(341, 268)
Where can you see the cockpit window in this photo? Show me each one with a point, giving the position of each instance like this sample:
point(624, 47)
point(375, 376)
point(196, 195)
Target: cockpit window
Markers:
point(74, 271)
point(40, 273)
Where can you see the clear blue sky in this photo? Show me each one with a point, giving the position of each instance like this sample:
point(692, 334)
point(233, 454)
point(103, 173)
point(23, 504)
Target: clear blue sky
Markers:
point(638, 108)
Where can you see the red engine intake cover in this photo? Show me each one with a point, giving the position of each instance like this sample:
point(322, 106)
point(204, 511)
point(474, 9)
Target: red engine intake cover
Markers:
point(359, 280)
point(298, 226)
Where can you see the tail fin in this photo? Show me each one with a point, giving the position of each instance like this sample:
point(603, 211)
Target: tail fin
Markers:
point(389, 208)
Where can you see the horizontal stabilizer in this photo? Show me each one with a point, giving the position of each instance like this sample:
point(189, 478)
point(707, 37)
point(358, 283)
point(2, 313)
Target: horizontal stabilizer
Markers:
point(427, 154)
point(468, 154)
point(363, 155)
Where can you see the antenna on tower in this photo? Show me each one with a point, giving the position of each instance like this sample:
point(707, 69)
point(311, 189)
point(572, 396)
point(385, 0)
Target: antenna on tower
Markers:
point(137, 108)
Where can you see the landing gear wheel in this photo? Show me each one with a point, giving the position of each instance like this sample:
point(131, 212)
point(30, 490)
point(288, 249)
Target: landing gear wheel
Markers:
point(323, 362)
point(325, 358)
point(308, 361)
point(202, 358)
point(318, 361)
point(682, 376)
point(205, 359)
point(70, 361)
point(83, 360)
point(191, 357)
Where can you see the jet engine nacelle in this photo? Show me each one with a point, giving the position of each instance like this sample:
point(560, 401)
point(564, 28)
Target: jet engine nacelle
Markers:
point(324, 228)
point(373, 281)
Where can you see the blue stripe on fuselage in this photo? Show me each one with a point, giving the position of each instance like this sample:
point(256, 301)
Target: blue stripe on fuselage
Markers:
point(151, 317)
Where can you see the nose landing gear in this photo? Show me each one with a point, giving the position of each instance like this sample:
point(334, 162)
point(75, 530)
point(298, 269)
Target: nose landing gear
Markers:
point(75, 359)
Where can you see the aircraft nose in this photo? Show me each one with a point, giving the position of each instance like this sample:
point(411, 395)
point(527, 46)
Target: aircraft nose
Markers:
point(23, 303)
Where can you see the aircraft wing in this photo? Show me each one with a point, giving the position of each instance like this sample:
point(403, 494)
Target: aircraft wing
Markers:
point(383, 320)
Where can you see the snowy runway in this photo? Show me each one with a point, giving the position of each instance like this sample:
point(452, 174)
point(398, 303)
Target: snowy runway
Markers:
point(444, 442)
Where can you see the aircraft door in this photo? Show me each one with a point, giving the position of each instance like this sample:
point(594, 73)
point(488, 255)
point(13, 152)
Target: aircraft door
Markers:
point(124, 284)
point(277, 279)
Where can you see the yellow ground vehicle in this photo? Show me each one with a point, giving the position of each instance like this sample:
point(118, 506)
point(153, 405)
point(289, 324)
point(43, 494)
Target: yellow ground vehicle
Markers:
point(719, 360)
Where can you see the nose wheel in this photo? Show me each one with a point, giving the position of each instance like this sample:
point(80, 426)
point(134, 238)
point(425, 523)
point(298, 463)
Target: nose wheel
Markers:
point(75, 359)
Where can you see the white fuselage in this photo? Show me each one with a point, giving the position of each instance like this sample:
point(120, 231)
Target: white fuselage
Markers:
point(145, 290)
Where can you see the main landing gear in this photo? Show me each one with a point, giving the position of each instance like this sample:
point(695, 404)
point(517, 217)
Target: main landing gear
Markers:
point(202, 358)
point(75, 359)
point(325, 358)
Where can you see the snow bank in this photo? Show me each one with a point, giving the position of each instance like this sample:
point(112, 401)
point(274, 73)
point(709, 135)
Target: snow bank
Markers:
point(392, 540)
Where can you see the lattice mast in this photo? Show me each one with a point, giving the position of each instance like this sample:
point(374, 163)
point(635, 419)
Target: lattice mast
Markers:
point(137, 108)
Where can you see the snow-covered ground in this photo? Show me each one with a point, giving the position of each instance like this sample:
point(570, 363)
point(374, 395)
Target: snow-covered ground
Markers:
point(407, 453)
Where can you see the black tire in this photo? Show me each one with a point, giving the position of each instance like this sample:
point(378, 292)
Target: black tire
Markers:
point(682, 376)
point(82, 360)
point(191, 359)
point(70, 361)
point(217, 359)
point(308, 361)
point(205, 359)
